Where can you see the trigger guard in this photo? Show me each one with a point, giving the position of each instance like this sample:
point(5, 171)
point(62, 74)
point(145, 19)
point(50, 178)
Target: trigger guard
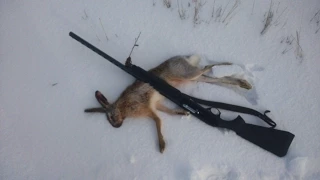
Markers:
point(219, 113)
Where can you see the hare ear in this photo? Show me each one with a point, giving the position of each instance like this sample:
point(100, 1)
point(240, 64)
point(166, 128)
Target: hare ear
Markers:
point(102, 100)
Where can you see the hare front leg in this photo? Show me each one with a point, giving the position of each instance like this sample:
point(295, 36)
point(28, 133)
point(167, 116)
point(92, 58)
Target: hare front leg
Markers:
point(157, 120)
point(165, 109)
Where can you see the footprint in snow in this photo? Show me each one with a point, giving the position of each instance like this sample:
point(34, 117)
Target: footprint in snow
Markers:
point(215, 173)
point(297, 167)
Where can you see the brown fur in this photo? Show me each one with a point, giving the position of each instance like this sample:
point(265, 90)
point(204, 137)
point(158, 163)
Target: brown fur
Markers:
point(141, 100)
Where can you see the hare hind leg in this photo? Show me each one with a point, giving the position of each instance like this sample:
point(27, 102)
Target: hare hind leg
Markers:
point(226, 80)
point(208, 67)
point(198, 72)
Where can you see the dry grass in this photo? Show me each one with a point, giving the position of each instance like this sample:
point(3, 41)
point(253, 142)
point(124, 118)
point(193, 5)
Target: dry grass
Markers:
point(85, 17)
point(274, 17)
point(316, 20)
point(198, 5)
point(104, 30)
point(254, 1)
point(231, 12)
point(167, 3)
point(193, 8)
point(298, 50)
point(267, 20)
point(181, 11)
point(219, 14)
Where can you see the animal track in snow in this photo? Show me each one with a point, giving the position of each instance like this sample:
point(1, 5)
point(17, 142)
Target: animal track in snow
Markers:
point(215, 173)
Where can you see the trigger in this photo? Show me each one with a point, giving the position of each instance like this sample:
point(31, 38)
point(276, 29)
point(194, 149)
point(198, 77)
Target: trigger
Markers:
point(215, 113)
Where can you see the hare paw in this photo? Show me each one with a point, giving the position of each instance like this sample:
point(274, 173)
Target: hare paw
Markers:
point(182, 112)
point(162, 145)
point(244, 84)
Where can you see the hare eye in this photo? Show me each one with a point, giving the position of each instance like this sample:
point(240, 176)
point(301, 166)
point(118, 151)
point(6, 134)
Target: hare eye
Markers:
point(110, 117)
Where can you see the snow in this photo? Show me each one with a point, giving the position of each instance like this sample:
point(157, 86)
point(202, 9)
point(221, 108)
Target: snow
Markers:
point(47, 79)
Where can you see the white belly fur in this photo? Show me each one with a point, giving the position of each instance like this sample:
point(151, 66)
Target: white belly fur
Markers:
point(194, 60)
point(155, 98)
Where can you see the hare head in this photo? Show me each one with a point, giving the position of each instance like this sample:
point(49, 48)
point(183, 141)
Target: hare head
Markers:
point(113, 114)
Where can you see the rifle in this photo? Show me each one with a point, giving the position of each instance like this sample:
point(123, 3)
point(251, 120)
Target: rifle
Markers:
point(270, 139)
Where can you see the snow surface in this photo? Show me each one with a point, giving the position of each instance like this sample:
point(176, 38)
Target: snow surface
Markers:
point(47, 79)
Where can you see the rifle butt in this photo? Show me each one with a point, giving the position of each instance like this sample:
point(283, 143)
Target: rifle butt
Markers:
point(272, 140)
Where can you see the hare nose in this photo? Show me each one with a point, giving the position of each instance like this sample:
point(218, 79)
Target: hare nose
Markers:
point(117, 126)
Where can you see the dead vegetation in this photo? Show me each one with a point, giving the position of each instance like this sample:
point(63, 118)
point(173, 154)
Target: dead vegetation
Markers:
point(85, 17)
point(273, 18)
point(267, 20)
point(104, 30)
point(231, 13)
point(316, 20)
point(167, 3)
point(223, 15)
point(298, 50)
point(197, 8)
point(293, 42)
point(287, 42)
point(181, 11)
point(92, 25)
point(254, 1)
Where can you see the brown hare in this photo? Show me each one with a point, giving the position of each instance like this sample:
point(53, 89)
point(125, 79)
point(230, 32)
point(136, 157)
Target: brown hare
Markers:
point(141, 100)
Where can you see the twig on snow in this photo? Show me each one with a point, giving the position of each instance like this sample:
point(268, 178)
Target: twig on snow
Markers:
point(167, 3)
point(181, 11)
point(298, 51)
point(268, 20)
point(231, 10)
point(103, 30)
point(254, 1)
point(135, 44)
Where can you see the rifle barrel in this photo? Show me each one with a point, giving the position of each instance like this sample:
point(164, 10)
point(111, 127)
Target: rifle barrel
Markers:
point(98, 51)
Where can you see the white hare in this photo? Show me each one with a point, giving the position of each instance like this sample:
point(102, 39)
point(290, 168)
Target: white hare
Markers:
point(141, 100)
